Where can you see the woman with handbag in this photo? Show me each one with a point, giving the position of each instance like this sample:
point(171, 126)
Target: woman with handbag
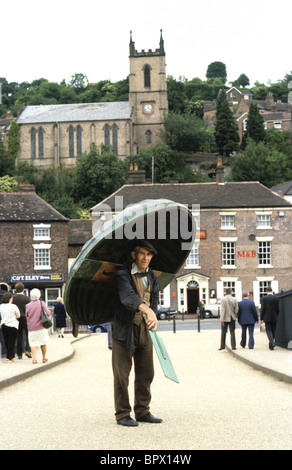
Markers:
point(37, 334)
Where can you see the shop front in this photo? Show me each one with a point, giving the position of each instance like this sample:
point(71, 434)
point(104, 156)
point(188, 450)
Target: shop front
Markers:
point(50, 285)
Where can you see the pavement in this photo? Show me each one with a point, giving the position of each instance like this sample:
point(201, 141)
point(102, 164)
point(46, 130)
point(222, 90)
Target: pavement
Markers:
point(220, 403)
point(276, 363)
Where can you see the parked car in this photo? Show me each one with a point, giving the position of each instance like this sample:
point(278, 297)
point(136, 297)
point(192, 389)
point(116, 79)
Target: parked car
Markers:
point(100, 328)
point(165, 312)
point(212, 310)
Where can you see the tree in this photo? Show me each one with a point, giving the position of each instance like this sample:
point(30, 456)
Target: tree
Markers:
point(242, 81)
point(226, 130)
point(96, 176)
point(255, 128)
point(216, 70)
point(13, 142)
point(258, 163)
point(186, 132)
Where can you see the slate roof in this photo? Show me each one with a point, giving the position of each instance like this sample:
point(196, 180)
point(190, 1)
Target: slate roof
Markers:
point(284, 188)
point(75, 112)
point(207, 195)
point(27, 206)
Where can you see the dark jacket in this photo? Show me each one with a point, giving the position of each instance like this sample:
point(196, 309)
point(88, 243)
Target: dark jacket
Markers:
point(127, 305)
point(269, 308)
point(247, 312)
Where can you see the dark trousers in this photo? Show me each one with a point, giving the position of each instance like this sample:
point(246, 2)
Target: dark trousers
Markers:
point(250, 329)
point(9, 335)
point(122, 359)
point(22, 330)
point(271, 331)
point(224, 328)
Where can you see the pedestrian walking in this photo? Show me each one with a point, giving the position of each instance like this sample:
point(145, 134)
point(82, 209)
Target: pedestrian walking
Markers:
point(269, 315)
point(21, 300)
point(60, 314)
point(228, 315)
point(247, 317)
point(37, 335)
point(9, 315)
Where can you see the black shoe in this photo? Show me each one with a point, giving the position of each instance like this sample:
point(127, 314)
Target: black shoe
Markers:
point(127, 421)
point(220, 349)
point(149, 418)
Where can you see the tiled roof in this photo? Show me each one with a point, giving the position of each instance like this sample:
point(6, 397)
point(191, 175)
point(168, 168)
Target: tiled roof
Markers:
point(207, 195)
point(75, 112)
point(284, 188)
point(26, 206)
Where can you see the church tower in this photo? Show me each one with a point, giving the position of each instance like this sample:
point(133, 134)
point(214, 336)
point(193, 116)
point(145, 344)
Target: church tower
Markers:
point(147, 94)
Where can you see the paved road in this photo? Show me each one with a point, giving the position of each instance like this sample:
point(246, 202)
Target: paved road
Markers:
point(220, 403)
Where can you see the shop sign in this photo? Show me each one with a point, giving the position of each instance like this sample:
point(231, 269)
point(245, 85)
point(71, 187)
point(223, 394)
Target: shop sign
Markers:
point(246, 254)
point(50, 277)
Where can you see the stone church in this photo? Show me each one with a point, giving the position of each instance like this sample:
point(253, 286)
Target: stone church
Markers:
point(54, 135)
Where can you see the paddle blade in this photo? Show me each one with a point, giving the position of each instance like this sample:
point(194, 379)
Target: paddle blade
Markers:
point(163, 356)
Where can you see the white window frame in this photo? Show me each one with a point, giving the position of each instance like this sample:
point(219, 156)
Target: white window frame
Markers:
point(231, 240)
point(265, 240)
point(42, 246)
point(227, 221)
point(45, 231)
point(193, 258)
point(263, 220)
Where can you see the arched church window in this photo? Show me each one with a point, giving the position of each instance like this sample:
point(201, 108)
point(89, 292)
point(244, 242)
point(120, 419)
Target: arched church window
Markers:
point(79, 140)
point(106, 134)
point(147, 82)
point(33, 143)
point(71, 141)
point(148, 137)
point(41, 142)
point(115, 138)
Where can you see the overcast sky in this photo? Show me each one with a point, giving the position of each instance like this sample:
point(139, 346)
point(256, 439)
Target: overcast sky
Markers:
point(57, 39)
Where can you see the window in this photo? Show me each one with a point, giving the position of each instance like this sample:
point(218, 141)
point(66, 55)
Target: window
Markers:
point(41, 232)
point(71, 141)
point(148, 137)
point(42, 255)
point(161, 297)
point(106, 134)
point(265, 253)
point(41, 142)
point(227, 221)
point(193, 258)
point(147, 82)
point(79, 140)
point(115, 138)
point(33, 143)
point(228, 254)
point(277, 125)
point(228, 285)
point(263, 221)
point(262, 287)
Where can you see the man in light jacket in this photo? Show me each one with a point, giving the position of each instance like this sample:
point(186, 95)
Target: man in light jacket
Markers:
point(228, 315)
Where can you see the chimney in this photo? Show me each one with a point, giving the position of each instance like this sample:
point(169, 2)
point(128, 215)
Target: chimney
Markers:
point(26, 188)
point(219, 171)
point(135, 176)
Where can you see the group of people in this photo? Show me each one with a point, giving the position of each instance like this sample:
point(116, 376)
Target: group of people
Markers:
point(246, 313)
point(20, 320)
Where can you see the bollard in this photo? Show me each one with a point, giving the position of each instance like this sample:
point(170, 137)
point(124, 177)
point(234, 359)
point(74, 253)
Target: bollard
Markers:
point(174, 326)
point(199, 325)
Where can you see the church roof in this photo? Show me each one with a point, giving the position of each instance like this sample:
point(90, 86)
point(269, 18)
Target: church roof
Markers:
point(75, 112)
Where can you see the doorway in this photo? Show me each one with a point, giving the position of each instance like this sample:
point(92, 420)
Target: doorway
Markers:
point(192, 297)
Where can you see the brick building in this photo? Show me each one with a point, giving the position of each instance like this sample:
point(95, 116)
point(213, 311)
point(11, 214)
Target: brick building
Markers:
point(243, 239)
point(54, 135)
point(276, 115)
point(34, 244)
